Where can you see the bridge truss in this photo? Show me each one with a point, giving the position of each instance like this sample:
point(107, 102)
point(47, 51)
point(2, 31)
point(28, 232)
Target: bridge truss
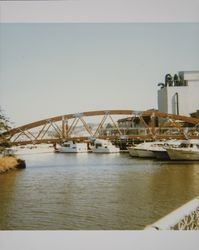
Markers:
point(104, 124)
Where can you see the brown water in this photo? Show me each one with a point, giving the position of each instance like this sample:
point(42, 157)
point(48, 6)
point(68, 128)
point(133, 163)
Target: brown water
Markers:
point(89, 191)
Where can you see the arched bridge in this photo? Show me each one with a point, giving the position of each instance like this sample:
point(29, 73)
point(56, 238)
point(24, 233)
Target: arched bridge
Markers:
point(112, 124)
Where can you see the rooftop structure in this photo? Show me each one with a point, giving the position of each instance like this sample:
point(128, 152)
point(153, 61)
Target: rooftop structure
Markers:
point(195, 114)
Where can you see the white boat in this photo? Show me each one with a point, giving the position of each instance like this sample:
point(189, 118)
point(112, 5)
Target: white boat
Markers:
point(145, 150)
point(104, 146)
point(187, 150)
point(72, 147)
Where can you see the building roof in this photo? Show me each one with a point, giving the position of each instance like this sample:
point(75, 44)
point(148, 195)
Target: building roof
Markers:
point(126, 119)
point(133, 117)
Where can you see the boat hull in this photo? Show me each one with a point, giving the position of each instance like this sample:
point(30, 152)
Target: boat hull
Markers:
point(161, 155)
point(71, 150)
point(133, 152)
point(178, 154)
point(106, 150)
point(145, 153)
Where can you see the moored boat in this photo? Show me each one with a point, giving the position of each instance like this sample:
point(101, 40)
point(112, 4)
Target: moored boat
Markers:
point(104, 146)
point(145, 150)
point(187, 150)
point(72, 147)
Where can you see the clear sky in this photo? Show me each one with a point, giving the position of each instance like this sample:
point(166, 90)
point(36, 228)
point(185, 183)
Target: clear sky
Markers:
point(53, 69)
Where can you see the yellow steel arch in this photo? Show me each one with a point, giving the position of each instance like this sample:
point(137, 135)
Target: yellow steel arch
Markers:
point(64, 130)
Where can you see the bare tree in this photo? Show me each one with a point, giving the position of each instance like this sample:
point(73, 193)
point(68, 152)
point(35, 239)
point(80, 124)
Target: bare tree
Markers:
point(4, 128)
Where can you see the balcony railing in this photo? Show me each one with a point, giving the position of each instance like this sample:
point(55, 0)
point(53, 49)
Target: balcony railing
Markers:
point(185, 217)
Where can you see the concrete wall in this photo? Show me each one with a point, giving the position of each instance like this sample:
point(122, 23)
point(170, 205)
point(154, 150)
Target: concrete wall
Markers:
point(162, 100)
point(188, 96)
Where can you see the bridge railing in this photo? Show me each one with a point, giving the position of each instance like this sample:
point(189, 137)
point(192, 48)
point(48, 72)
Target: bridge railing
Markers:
point(185, 217)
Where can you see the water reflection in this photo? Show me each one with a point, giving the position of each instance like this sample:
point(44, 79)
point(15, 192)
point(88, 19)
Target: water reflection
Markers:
point(7, 191)
point(171, 185)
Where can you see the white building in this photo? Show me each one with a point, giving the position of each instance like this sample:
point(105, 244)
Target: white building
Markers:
point(179, 94)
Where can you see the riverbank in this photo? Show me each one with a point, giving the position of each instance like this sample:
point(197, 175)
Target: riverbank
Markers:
point(10, 163)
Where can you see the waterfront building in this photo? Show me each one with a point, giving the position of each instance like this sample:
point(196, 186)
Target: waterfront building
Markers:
point(136, 124)
point(179, 94)
point(135, 121)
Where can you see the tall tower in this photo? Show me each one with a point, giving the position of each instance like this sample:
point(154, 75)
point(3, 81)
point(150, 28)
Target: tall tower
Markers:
point(179, 94)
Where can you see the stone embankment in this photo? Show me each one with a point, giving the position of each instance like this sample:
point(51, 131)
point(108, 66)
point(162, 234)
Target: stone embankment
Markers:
point(10, 163)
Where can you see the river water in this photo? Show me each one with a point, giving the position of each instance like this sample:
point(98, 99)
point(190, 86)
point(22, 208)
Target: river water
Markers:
point(93, 192)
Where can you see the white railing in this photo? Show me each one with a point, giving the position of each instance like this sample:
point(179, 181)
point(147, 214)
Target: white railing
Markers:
point(185, 217)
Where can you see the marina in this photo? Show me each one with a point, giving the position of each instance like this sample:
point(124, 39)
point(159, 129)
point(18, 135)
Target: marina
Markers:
point(160, 150)
point(99, 126)
point(89, 145)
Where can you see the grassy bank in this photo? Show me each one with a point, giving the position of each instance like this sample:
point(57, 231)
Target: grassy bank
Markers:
point(8, 163)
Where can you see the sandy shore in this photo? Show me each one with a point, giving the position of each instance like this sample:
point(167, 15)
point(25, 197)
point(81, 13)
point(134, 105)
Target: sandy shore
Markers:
point(8, 163)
